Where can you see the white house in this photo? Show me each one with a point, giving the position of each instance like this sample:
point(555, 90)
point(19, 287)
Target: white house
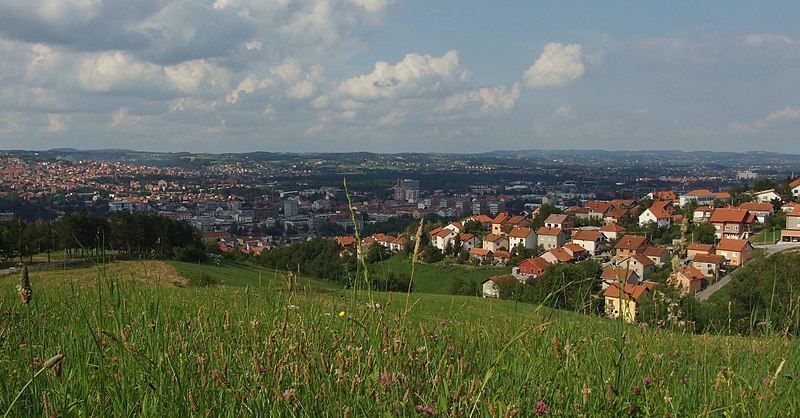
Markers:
point(766, 196)
point(490, 289)
point(795, 186)
point(589, 240)
point(525, 237)
point(656, 215)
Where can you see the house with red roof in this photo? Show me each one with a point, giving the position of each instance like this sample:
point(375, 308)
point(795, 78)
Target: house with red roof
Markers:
point(495, 242)
point(630, 245)
point(667, 195)
point(659, 254)
point(482, 255)
point(761, 210)
point(469, 241)
point(612, 231)
point(642, 265)
point(523, 237)
point(703, 197)
point(591, 240)
point(736, 251)
point(702, 214)
point(557, 220)
point(688, 279)
point(698, 248)
point(613, 275)
point(709, 264)
point(794, 186)
point(551, 237)
point(532, 266)
point(792, 231)
point(558, 255)
point(598, 209)
point(499, 221)
point(576, 251)
point(733, 223)
point(621, 300)
point(657, 215)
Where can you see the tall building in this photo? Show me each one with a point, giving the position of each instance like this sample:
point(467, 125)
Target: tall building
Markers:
point(291, 207)
point(406, 190)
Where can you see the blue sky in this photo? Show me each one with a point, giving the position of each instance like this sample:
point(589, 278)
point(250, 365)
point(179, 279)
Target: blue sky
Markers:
point(399, 76)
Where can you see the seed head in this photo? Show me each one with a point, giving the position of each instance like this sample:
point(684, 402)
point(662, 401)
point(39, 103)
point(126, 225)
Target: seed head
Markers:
point(24, 287)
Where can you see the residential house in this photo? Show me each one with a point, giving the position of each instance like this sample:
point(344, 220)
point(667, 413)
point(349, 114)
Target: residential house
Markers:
point(794, 186)
point(688, 280)
point(490, 289)
point(524, 237)
point(667, 195)
point(792, 231)
point(623, 203)
point(482, 255)
point(551, 237)
point(630, 245)
point(702, 214)
point(709, 264)
point(499, 221)
point(579, 212)
point(695, 248)
point(623, 304)
point(760, 210)
point(642, 265)
point(733, 223)
point(612, 231)
point(442, 238)
point(559, 221)
point(501, 257)
point(701, 196)
point(519, 221)
point(485, 221)
point(469, 241)
point(456, 226)
point(494, 242)
point(592, 241)
point(656, 215)
point(659, 255)
point(576, 251)
point(598, 209)
point(613, 275)
point(616, 215)
point(766, 196)
point(557, 255)
point(532, 266)
point(736, 251)
point(790, 207)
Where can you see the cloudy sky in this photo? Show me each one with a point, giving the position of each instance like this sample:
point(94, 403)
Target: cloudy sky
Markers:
point(399, 75)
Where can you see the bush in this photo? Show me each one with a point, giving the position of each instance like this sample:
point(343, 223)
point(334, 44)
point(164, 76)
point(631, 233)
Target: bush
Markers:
point(190, 254)
point(203, 280)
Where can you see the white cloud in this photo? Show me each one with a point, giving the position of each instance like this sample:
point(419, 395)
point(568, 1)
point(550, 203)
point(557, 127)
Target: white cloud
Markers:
point(122, 117)
point(641, 110)
point(557, 66)
point(414, 76)
point(767, 39)
point(56, 123)
point(564, 112)
point(297, 85)
point(787, 114)
point(484, 101)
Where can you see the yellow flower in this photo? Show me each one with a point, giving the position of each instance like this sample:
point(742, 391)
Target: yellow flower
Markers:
point(341, 313)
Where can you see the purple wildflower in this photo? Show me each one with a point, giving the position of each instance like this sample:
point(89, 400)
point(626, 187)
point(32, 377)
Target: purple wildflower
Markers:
point(288, 393)
point(647, 380)
point(41, 314)
point(541, 408)
point(114, 360)
point(386, 379)
point(36, 362)
point(23, 346)
point(766, 381)
point(262, 368)
point(442, 323)
point(636, 390)
point(426, 410)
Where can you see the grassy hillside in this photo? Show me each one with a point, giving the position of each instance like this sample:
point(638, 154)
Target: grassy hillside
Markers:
point(437, 278)
point(135, 347)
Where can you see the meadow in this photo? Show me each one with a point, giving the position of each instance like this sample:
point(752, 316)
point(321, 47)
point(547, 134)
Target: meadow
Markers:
point(142, 339)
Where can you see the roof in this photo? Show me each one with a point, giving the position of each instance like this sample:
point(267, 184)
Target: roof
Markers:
point(641, 259)
point(757, 207)
point(493, 238)
point(515, 220)
point(480, 251)
point(795, 183)
point(598, 207)
point(501, 218)
point(344, 241)
point(482, 219)
point(709, 258)
point(435, 231)
point(556, 218)
point(465, 237)
point(612, 227)
point(445, 232)
point(632, 291)
point(502, 254)
point(664, 195)
point(631, 242)
point(574, 248)
point(722, 195)
point(790, 233)
point(659, 213)
point(520, 232)
point(548, 231)
point(704, 209)
point(732, 215)
point(623, 203)
point(584, 235)
point(654, 251)
point(730, 244)
point(695, 246)
point(699, 193)
point(538, 262)
point(691, 273)
point(794, 212)
point(561, 254)
point(619, 274)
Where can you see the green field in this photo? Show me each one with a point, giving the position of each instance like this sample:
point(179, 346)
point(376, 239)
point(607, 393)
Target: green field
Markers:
point(139, 341)
point(437, 278)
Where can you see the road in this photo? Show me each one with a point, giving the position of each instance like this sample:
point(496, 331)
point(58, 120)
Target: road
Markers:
point(704, 294)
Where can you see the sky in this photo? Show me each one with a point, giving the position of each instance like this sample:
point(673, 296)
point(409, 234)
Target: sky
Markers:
point(399, 75)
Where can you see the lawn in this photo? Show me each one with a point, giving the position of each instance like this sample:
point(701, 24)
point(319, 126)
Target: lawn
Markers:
point(436, 278)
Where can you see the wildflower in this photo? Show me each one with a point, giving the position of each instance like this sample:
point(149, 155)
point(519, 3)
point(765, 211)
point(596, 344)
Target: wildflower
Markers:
point(114, 360)
point(41, 315)
point(23, 346)
point(647, 380)
point(541, 408)
point(288, 393)
point(766, 381)
point(261, 368)
point(433, 337)
point(24, 287)
point(36, 362)
point(103, 343)
point(636, 390)
point(426, 410)
point(386, 379)
point(341, 314)
point(442, 323)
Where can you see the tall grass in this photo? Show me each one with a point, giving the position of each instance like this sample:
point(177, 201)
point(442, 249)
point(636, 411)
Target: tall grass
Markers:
point(134, 349)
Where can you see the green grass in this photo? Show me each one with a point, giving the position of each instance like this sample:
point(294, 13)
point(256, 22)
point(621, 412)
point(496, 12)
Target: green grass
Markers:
point(437, 278)
point(237, 274)
point(766, 236)
point(135, 348)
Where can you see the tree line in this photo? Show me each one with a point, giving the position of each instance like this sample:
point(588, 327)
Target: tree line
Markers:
point(80, 234)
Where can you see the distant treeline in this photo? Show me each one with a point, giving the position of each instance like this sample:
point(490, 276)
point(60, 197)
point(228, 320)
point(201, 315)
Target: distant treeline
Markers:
point(80, 234)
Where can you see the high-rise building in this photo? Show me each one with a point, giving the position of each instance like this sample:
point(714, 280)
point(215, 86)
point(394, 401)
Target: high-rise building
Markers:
point(291, 207)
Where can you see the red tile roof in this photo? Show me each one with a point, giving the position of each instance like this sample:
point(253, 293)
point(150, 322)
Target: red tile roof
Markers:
point(632, 291)
point(612, 227)
point(758, 207)
point(631, 242)
point(548, 231)
point(520, 232)
point(585, 235)
point(732, 215)
point(730, 244)
point(709, 258)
